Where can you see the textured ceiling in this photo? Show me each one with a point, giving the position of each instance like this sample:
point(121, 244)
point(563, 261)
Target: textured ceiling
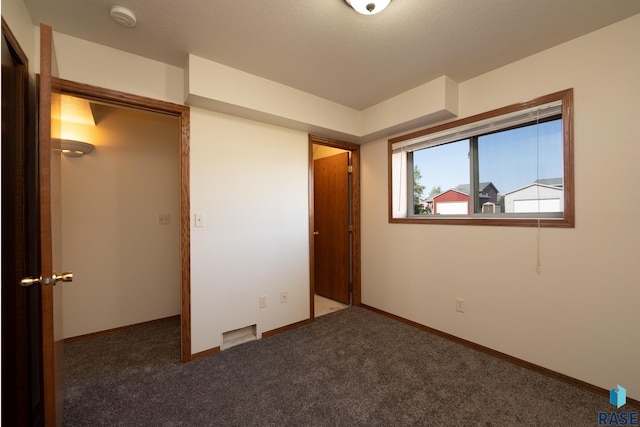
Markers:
point(325, 48)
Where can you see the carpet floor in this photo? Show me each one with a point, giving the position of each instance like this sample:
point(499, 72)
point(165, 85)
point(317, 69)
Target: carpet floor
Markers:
point(352, 367)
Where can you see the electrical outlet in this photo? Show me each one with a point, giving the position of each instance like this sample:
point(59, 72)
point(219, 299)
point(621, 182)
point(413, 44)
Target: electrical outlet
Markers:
point(460, 305)
point(283, 297)
point(263, 301)
point(164, 219)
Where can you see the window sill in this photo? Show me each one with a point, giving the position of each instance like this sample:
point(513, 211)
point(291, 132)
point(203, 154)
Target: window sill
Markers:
point(475, 220)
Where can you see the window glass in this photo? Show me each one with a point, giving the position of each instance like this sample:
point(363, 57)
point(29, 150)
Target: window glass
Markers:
point(525, 166)
point(442, 168)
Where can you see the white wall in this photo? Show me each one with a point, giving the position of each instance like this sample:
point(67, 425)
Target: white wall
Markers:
point(220, 88)
point(126, 266)
point(579, 316)
point(250, 181)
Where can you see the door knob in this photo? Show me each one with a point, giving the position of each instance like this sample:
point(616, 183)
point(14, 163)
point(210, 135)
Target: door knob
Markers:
point(29, 281)
point(67, 276)
point(55, 278)
point(315, 233)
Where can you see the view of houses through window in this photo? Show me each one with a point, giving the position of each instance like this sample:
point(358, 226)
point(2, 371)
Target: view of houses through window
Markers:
point(514, 171)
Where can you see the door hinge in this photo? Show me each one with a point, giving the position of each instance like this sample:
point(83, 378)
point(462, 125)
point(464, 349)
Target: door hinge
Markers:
point(350, 169)
point(350, 227)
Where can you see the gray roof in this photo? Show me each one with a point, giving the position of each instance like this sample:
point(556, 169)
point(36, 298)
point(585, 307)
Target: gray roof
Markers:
point(464, 188)
point(553, 187)
point(555, 182)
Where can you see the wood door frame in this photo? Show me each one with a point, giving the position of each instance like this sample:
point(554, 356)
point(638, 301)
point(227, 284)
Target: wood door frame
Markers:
point(182, 112)
point(52, 344)
point(356, 297)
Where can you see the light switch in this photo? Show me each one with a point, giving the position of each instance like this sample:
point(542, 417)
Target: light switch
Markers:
point(199, 220)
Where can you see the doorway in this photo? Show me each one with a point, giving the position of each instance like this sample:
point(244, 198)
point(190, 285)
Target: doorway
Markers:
point(120, 206)
point(113, 99)
point(334, 206)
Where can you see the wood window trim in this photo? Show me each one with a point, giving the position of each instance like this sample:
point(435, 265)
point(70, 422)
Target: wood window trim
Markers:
point(568, 219)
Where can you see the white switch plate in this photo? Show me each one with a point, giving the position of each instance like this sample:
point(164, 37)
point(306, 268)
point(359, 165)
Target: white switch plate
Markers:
point(460, 305)
point(199, 220)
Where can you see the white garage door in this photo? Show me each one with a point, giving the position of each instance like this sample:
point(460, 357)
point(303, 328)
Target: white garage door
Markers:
point(545, 205)
point(452, 208)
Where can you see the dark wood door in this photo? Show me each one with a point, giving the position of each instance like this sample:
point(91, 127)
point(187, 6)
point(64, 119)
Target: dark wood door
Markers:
point(21, 322)
point(331, 223)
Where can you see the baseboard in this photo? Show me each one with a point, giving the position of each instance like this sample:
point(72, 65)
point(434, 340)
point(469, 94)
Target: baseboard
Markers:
point(266, 334)
point(516, 361)
point(203, 354)
point(286, 328)
point(119, 329)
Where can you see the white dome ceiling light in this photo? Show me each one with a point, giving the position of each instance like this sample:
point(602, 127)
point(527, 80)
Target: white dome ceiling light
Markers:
point(123, 16)
point(368, 7)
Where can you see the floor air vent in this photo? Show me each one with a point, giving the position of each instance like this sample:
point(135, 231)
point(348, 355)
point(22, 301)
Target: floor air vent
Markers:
point(238, 336)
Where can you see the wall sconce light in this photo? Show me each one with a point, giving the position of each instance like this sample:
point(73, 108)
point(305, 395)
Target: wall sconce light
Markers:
point(368, 7)
point(71, 148)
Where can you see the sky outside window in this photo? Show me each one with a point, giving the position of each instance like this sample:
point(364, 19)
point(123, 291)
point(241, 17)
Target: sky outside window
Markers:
point(510, 159)
point(444, 165)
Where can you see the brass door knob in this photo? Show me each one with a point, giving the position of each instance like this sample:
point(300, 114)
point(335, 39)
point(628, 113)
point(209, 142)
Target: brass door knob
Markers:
point(64, 277)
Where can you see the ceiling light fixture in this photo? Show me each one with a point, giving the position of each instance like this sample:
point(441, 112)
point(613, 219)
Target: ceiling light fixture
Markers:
point(368, 7)
point(123, 16)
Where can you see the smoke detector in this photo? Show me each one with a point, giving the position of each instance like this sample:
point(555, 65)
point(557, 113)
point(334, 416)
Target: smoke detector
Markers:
point(123, 16)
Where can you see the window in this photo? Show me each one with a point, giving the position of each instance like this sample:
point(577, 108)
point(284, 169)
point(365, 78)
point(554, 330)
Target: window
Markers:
point(511, 166)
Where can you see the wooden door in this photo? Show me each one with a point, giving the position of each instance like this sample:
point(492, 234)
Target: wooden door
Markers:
point(331, 223)
point(21, 355)
point(49, 179)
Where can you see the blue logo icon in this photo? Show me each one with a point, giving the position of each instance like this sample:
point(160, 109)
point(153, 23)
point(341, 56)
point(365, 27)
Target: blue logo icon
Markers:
point(618, 396)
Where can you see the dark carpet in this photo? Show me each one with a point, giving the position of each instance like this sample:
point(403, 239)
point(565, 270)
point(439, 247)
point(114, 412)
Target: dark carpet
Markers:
point(349, 368)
